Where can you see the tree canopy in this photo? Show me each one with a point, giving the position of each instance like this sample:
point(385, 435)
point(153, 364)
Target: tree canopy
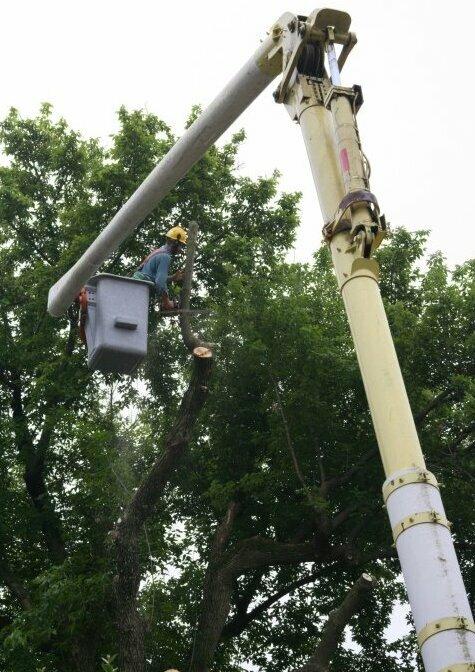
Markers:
point(218, 519)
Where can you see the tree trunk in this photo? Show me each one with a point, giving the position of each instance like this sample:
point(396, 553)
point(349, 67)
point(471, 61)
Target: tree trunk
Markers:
point(217, 594)
point(130, 625)
point(128, 531)
point(84, 654)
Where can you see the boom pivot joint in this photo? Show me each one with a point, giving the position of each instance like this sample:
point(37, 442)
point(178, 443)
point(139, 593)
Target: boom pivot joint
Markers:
point(306, 39)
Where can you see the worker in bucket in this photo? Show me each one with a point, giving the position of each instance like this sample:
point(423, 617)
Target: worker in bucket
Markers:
point(155, 267)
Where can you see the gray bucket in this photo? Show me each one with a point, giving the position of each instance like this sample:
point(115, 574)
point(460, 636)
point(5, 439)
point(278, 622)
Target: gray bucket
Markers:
point(117, 322)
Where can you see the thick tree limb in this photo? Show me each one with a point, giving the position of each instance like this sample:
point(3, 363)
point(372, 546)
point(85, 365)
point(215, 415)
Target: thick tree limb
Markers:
point(129, 528)
point(342, 516)
point(251, 554)
point(335, 625)
point(193, 342)
point(257, 552)
point(223, 531)
point(221, 575)
point(446, 395)
point(150, 490)
point(217, 593)
point(288, 438)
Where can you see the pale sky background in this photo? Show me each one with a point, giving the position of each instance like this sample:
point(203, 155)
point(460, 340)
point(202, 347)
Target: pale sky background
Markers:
point(414, 60)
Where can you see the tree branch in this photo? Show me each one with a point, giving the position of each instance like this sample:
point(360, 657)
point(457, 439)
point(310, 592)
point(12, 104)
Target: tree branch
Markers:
point(335, 625)
point(223, 531)
point(244, 598)
point(253, 553)
point(439, 399)
point(13, 584)
point(33, 458)
point(151, 488)
point(258, 552)
point(194, 344)
point(290, 445)
point(342, 516)
point(346, 476)
point(216, 599)
point(241, 620)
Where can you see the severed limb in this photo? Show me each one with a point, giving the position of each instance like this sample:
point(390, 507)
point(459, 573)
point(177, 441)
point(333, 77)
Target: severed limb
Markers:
point(198, 347)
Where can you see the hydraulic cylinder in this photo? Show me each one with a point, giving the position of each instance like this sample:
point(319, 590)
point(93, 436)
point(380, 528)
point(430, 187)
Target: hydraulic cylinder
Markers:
point(421, 532)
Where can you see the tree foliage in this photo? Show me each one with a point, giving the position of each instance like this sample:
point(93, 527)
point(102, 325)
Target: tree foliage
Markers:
point(274, 510)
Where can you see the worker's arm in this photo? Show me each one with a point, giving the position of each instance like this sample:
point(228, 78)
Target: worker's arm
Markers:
point(177, 276)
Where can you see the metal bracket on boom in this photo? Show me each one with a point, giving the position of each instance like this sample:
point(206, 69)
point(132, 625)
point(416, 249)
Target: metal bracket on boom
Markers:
point(368, 235)
point(313, 32)
point(443, 624)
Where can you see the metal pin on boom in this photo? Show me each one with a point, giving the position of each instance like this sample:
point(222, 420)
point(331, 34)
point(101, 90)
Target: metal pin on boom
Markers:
point(332, 58)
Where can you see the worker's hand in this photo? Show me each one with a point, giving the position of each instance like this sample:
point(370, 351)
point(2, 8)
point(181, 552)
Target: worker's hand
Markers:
point(178, 275)
point(166, 304)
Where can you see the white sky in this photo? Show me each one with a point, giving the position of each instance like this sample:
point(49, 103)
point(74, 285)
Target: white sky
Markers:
point(413, 60)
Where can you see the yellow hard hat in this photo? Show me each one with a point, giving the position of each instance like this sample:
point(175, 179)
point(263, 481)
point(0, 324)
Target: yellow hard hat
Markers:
point(179, 234)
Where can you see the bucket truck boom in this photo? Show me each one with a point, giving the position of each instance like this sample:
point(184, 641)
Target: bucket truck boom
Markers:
point(299, 48)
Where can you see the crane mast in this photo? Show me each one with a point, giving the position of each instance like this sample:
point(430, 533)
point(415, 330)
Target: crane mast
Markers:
point(353, 228)
point(301, 49)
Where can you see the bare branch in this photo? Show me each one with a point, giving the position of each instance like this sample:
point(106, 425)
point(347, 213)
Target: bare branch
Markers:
point(240, 622)
point(346, 476)
point(439, 399)
point(335, 625)
point(290, 445)
point(223, 531)
point(194, 344)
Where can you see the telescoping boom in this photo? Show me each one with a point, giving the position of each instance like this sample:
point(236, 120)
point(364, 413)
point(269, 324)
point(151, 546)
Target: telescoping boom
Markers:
point(303, 50)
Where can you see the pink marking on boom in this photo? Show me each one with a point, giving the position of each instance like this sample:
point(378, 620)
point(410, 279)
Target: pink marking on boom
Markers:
point(344, 160)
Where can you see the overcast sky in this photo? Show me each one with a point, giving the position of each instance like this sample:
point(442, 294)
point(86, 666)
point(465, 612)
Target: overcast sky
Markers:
point(413, 60)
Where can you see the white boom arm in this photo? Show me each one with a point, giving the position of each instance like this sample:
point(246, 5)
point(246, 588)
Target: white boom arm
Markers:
point(247, 84)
